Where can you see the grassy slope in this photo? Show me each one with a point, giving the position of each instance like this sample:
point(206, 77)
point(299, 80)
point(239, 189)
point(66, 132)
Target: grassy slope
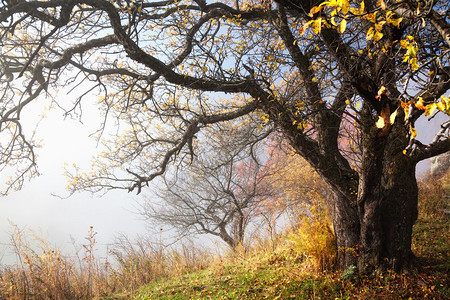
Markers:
point(282, 274)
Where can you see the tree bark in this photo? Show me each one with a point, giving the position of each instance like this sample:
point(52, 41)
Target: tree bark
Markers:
point(378, 235)
point(227, 238)
point(387, 203)
point(346, 229)
point(373, 229)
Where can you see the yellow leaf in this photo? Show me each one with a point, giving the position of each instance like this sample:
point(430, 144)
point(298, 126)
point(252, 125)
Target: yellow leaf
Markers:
point(380, 123)
point(420, 103)
point(430, 108)
point(315, 10)
point(345, 6)
point(392, 117)
point(379, 25)
point(381, 4)
point(414, 63)
point(372, 17)
point(333, 21)
point(413, 132)
point(373, 34)
point(396, 22)
point(342, 26)
point(382, 91)
point(392, 19)
point(440, 106)
point(347, 102)
point(444, 105)
point(317, 25)
point(370, 33)
point(404, 44)
point(377, 36)
point(302, 125)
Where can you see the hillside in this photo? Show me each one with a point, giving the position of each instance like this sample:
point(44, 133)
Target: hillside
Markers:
point(286, 274)
point(297, 265)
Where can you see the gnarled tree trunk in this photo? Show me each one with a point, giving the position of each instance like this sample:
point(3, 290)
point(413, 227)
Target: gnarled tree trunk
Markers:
point(387, 202)
point(377, 235)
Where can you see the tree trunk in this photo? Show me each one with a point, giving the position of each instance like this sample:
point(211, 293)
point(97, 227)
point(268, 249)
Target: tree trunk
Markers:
point(227, 238)
point(346, 229)
point(387, 203)
point(373, 211)
point(399, 212)
point(378, 236)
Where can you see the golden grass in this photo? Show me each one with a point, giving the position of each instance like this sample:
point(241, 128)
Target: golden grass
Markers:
point(42, 272)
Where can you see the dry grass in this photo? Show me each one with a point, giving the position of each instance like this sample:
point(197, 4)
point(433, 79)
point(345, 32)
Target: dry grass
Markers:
point(42, 272)
point(433, 196)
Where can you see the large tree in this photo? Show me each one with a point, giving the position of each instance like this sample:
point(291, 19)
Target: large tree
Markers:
point(168, 69)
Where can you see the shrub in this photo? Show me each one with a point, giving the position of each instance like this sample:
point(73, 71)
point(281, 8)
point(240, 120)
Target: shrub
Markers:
point(313, 236)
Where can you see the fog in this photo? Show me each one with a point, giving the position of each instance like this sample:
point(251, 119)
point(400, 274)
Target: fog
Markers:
point(65, 140)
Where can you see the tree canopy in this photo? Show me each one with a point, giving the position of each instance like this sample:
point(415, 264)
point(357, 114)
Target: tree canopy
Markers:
point(167, 70)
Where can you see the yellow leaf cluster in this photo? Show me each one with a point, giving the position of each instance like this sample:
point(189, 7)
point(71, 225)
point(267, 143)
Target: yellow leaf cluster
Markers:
point(391, 18)
point(360, 11)
point(336, 7)
point(373, 34)
point(443, 104)
point(411, 51)
point(265, 118)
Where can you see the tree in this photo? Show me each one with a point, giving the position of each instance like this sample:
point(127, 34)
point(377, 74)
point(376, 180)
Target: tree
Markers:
point(169, 69)
point(220, 195)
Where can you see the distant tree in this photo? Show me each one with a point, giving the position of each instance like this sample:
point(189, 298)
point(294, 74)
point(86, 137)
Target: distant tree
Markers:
point(221, 193)
point(166, 70)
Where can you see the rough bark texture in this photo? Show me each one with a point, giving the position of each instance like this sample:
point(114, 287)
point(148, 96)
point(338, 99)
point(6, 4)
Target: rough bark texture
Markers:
point(346, 229)
point(373, 213)
point(387, 206)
